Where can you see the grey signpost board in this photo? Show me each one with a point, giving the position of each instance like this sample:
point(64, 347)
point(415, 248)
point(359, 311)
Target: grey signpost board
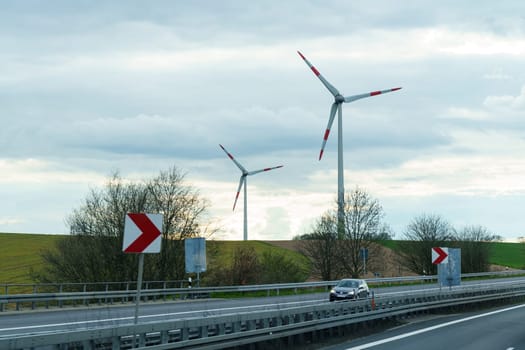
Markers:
point(195, 255)
point(449, 274)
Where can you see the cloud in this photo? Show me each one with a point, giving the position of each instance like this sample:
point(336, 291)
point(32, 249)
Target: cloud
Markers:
point(506, 102)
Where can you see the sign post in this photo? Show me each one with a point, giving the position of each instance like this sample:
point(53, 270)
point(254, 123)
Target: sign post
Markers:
point(139, 286)
point(142, 234)
point(363, 253)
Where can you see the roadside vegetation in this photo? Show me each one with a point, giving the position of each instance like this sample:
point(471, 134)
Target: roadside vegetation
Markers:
point(333, 248)
point(253, 262)
point(21, 254)
point(92, 252)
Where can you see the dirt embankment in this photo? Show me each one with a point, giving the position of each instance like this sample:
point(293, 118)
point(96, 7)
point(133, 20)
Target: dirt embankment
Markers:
point(385, 263)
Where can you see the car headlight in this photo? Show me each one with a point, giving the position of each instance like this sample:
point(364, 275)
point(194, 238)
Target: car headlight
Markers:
point(332, 291)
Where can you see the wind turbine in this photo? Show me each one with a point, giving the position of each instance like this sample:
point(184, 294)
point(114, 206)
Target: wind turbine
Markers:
point(337, 106)
point(242, 182)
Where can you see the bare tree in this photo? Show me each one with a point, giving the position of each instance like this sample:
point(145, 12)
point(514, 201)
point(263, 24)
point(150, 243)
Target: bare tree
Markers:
point(362, 226)
point(245, 267)
point(93, 251)
point(321, 247)
point(337, 253)
point(423, 233)
point(475, 249)
point(183, 210)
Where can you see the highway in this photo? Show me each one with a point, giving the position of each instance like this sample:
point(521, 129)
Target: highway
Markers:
point(495, 329)
point(15, 323)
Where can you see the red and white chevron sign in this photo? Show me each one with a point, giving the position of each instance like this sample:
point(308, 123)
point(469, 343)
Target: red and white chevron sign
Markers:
point(142, 233)
point(439, 255)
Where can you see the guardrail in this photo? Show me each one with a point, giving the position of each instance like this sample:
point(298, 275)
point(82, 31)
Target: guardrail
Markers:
point(61, 298)
point(34, 288)
point(222, 331)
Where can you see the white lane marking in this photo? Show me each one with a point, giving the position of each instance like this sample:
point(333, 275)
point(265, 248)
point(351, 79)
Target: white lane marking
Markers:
point(424, 330)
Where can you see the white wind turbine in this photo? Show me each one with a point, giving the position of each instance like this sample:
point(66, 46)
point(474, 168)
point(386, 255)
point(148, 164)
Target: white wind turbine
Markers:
point(337, 106)
point(242, 182)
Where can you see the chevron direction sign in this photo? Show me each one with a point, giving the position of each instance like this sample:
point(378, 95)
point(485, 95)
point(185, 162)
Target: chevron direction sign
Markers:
point(439, 255)
point(142, 233)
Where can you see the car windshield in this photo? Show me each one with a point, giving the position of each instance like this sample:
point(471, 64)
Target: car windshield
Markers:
point(348, 284)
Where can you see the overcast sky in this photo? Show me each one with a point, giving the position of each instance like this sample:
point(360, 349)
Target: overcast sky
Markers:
point(91, 87)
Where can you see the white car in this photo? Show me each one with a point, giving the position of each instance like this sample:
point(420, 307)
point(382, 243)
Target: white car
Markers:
point(349, 288)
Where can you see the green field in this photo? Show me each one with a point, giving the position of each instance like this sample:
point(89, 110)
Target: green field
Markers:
point(225, 250)
point(19, 253)
point(511, 255)
point(508, 254)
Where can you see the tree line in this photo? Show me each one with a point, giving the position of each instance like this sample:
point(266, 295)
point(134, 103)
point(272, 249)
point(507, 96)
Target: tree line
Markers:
point(337, 253)
point(93, 250)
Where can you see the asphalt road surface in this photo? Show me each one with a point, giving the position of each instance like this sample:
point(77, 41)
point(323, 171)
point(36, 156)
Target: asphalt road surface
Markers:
point(15, 323)
point(495, 329)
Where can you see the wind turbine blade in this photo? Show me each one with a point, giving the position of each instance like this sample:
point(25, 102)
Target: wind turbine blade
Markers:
point(265, 169)
point(234, 160)
point(325, 82)
point(369, 94)
point(241, 183)
point(329, 126)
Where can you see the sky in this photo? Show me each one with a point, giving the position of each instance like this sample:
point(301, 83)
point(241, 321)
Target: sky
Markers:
point(88, 88)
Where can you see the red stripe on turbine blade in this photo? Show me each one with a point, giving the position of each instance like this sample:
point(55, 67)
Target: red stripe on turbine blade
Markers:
point(236, 197)
point(395, 89)
point(316, 72)
point(326, 133)
point(229, 155)
point(275, 167)
point(300, 54)
point(321, 154)
point(374, 93)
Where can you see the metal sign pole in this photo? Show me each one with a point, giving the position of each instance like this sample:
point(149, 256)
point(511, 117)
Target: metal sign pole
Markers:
point(139, 286)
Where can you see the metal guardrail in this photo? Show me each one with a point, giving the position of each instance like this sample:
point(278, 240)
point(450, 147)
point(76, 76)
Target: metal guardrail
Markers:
point(61, 298)
point(34, 288)
point(221, 331)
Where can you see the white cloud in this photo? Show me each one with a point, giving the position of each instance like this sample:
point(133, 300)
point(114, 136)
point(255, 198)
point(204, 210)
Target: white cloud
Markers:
point(467, 113)
point(497, 74)
point(506, 102)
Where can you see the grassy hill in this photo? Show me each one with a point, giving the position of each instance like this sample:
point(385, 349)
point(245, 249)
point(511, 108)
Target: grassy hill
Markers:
point(224, 251)
point(19, 253)
point(511, 255)
point(508, 254)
